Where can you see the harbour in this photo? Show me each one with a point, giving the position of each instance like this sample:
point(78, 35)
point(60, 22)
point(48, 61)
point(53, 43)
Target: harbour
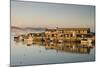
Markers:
point(25, 45)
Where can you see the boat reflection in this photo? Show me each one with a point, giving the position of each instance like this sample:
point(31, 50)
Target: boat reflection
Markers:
point(59, 47)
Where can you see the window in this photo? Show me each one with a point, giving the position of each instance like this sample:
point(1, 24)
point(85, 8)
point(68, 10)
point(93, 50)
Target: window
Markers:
point(52, 35)
point(78, 31)
point(71, 35)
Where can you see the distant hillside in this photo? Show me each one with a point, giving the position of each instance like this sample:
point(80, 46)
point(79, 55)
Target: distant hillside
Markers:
point(14, 27)
point(26, 28)
point(30, 28)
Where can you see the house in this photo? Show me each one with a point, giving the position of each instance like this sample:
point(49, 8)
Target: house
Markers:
point(66, 34)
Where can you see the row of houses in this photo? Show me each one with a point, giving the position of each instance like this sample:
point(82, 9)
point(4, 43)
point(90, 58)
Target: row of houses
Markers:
point(82, 35)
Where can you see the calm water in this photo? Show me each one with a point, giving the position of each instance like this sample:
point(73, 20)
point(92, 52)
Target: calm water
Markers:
point(40, 53)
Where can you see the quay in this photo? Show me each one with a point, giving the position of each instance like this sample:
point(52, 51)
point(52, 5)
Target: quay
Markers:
point(60, 35)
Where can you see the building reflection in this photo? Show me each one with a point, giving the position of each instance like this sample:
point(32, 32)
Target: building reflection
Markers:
point(59, 47)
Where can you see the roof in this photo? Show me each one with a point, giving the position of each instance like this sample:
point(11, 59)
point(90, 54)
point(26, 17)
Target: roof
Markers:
point(73, 28)
point(68, 29)
point(50, 29)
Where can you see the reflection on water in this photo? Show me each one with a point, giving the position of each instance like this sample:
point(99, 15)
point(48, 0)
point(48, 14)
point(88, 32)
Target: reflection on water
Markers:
point(59, 47)
point(32, 53)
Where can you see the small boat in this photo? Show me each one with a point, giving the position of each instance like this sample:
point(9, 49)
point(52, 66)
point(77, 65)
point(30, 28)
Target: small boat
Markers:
point(86, 42)
point(60, 41)
point(16, 38)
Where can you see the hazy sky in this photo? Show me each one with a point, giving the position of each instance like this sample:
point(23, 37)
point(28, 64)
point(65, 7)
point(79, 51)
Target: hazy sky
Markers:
point(34, 14)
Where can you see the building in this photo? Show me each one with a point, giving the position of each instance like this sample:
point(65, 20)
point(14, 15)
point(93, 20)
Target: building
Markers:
point(67, 34)
point(61, 35)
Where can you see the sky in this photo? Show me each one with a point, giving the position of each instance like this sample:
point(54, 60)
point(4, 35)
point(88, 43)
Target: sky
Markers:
point(51, 15)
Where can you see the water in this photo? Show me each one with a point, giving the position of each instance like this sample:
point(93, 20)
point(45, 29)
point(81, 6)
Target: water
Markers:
point(40, 53)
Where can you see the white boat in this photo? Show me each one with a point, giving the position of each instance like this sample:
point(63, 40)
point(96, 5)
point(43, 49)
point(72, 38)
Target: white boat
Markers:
point(87, 42)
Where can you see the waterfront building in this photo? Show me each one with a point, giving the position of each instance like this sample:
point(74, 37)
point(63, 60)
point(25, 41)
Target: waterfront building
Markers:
point(67, 34)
